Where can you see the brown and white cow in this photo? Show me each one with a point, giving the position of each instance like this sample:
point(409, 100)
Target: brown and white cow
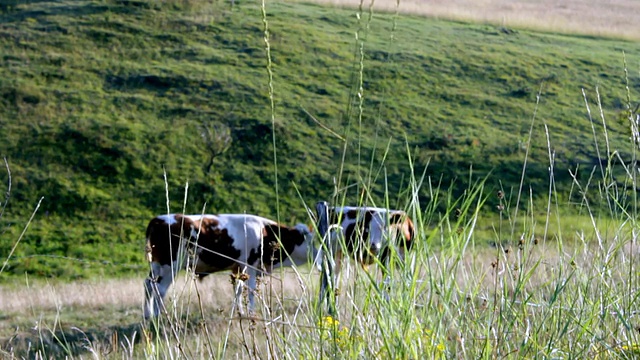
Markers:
point(213, 243)
point(366, 234)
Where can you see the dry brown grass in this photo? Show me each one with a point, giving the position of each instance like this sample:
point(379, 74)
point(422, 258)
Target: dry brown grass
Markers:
point(49, 296)
point(92, 312)
point(614, 18)
point(89, 313)
point(287, 288)
point(216, 292)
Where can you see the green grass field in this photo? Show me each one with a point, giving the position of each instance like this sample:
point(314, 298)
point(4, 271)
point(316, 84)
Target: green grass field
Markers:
point(99, 99)
point(513, 150)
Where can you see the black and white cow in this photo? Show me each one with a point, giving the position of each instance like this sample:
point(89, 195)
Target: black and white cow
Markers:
point(361, 233)
point(218, 243)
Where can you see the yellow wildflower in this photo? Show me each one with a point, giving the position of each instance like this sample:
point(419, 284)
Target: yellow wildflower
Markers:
point(332, 331)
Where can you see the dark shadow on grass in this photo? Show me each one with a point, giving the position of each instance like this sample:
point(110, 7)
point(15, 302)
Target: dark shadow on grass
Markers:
point(37, 12)
point(14, 6)
point(12, 11)
point(71, 341)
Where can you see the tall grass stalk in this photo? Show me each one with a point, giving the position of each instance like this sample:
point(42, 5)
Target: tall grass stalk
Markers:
point(7, 193)
point(24, 230)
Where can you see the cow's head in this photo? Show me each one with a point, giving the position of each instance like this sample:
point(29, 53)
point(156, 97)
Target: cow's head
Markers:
point(306, 251)
point(400, 233)
point(286, 246)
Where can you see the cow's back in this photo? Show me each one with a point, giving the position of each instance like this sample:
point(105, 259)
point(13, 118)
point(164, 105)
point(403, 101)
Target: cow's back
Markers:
point(221, 246)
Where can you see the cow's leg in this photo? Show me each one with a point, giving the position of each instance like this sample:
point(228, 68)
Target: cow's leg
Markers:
point(330, 257)
point(326, 271)
point(385, 261)
point(329, 284)
point(386, 273)
point(386, 284)
point(156, 286)
point(252, 284)
point(151, 297)
point(239, 283)
point(337, 268)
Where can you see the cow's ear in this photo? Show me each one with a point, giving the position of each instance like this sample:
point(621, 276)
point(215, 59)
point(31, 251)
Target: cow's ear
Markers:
point(304, 229)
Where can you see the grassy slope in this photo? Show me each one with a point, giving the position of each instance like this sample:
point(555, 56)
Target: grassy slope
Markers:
point(96, 98)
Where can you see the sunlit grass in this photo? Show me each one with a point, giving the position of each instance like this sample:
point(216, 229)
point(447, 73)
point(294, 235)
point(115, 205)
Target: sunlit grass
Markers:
point(557, 279)
point(534, 297)
point(139, 81)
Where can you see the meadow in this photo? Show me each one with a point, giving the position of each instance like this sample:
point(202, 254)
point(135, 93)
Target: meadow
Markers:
point(511, 143)
point(534, 298)
point(106, 104)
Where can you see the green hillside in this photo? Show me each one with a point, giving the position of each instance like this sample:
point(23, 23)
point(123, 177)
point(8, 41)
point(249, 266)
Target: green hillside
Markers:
point(99, 98)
